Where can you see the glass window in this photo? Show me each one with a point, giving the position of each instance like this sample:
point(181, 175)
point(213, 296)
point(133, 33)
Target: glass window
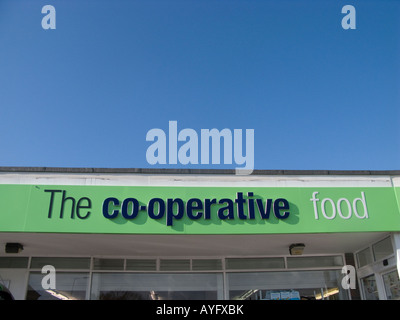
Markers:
point(14, 262)
point(392, 285)
point(206, 264)
point(166, 286)
point(61, 263)
point(141, 264)
point(254, 263)
point(286, 285)
point(175, 265)
point(382, 249)
point(68, 286)
point(108, 264)
point(364, 257)
point(315, 262)
point(369, 288)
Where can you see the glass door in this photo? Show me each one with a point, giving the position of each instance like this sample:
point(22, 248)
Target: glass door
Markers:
point(369, 288)
point(392, 285)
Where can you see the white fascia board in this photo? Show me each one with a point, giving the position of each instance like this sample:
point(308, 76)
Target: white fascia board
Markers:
point(203, 180)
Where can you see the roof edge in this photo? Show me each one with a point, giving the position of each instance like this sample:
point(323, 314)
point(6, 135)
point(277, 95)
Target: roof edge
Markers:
point(191, 171)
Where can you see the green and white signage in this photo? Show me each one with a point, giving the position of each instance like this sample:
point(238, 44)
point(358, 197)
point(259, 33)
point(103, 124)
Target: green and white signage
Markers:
point(197, 210)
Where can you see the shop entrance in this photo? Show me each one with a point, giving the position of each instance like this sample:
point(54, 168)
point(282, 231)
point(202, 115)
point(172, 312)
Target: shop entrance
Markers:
point(287, 285)
point(257, 278)
point(377, 270)
point(305, 277)
point(384, 286)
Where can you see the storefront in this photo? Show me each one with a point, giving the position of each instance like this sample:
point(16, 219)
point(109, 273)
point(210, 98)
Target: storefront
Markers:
point(199, 234)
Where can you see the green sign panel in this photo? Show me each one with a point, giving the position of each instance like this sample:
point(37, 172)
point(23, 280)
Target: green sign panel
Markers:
point(197, 210)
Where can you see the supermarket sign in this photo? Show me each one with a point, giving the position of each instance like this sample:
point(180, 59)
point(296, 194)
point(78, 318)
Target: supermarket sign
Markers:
point(196, 210)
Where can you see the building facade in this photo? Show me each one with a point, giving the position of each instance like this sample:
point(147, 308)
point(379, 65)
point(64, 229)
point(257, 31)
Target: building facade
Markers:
point(166, 234)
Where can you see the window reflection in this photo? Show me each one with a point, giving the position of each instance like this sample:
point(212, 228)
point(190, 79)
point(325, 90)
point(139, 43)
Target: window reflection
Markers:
point(294, 285)
point(69, 286)
point(382, 249)
point(133, 286)
point(263, 285)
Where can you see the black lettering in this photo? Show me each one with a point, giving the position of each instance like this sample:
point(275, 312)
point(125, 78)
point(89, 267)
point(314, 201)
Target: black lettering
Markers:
point(264, 214)
point(134, 211)
point(170, 210)
point(63, 203)
point(161, 208)
point(240, 201)
point(207, 208)
point(79, 206)
point(51, 201)
point(106, 203)
point(229, 208)
point(193, 208)
point(251, 206)
point(278, 207)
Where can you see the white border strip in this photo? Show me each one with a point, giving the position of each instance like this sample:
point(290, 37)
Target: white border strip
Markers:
point(203, 180)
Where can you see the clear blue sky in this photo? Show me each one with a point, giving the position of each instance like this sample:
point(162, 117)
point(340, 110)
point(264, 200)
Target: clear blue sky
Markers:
point(86, 93)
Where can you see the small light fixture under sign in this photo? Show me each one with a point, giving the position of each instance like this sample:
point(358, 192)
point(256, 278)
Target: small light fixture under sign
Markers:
point(14, 247)
point(296, 249)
